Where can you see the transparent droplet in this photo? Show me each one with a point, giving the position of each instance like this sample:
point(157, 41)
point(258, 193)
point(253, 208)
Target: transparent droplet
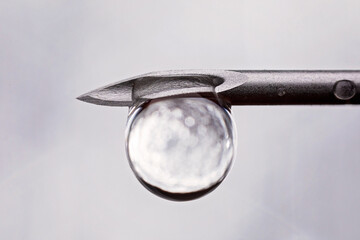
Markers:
point(180, 148)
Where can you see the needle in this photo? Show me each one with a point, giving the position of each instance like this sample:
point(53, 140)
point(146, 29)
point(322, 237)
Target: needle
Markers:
point(254, 87)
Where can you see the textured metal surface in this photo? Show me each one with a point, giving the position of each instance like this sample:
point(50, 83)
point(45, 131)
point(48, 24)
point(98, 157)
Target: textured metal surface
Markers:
point(236, 87)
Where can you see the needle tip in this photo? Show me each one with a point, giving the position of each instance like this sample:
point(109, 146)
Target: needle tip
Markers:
point(84, 98)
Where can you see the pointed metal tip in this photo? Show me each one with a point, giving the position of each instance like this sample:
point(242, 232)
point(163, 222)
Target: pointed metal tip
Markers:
point(83, 98)
point(102, 98)
point(87, 98)
point(163, 84)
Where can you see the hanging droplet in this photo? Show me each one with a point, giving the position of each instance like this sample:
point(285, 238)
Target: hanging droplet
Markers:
point(180, 148)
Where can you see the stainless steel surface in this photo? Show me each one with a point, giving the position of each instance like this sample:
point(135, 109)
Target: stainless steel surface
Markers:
point(236, 87)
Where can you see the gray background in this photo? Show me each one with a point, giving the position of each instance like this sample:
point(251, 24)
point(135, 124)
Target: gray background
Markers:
point(63, 170)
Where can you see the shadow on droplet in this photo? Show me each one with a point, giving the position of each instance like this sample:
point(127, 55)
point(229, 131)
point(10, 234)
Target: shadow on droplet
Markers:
point(178, 196)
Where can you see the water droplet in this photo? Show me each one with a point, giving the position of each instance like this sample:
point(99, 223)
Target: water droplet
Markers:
point(344, 89)
point(173, 153)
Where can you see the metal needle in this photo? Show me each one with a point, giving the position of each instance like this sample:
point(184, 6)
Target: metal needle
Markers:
point(236, 86)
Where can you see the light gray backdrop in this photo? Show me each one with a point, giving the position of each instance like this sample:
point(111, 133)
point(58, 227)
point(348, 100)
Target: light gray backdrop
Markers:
point(63, 170)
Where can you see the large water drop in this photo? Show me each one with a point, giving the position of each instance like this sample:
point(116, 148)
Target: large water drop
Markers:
point(180, 148)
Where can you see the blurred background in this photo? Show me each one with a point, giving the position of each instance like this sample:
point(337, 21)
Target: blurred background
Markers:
point(63, 169)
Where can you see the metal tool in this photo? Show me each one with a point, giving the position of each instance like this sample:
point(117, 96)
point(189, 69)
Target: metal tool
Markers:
point(236, 87)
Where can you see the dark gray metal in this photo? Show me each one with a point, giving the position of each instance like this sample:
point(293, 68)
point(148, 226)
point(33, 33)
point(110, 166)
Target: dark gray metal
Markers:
point(236, 87)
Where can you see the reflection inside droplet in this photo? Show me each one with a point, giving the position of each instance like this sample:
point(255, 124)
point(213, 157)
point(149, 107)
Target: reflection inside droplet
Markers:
point(180, 148)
